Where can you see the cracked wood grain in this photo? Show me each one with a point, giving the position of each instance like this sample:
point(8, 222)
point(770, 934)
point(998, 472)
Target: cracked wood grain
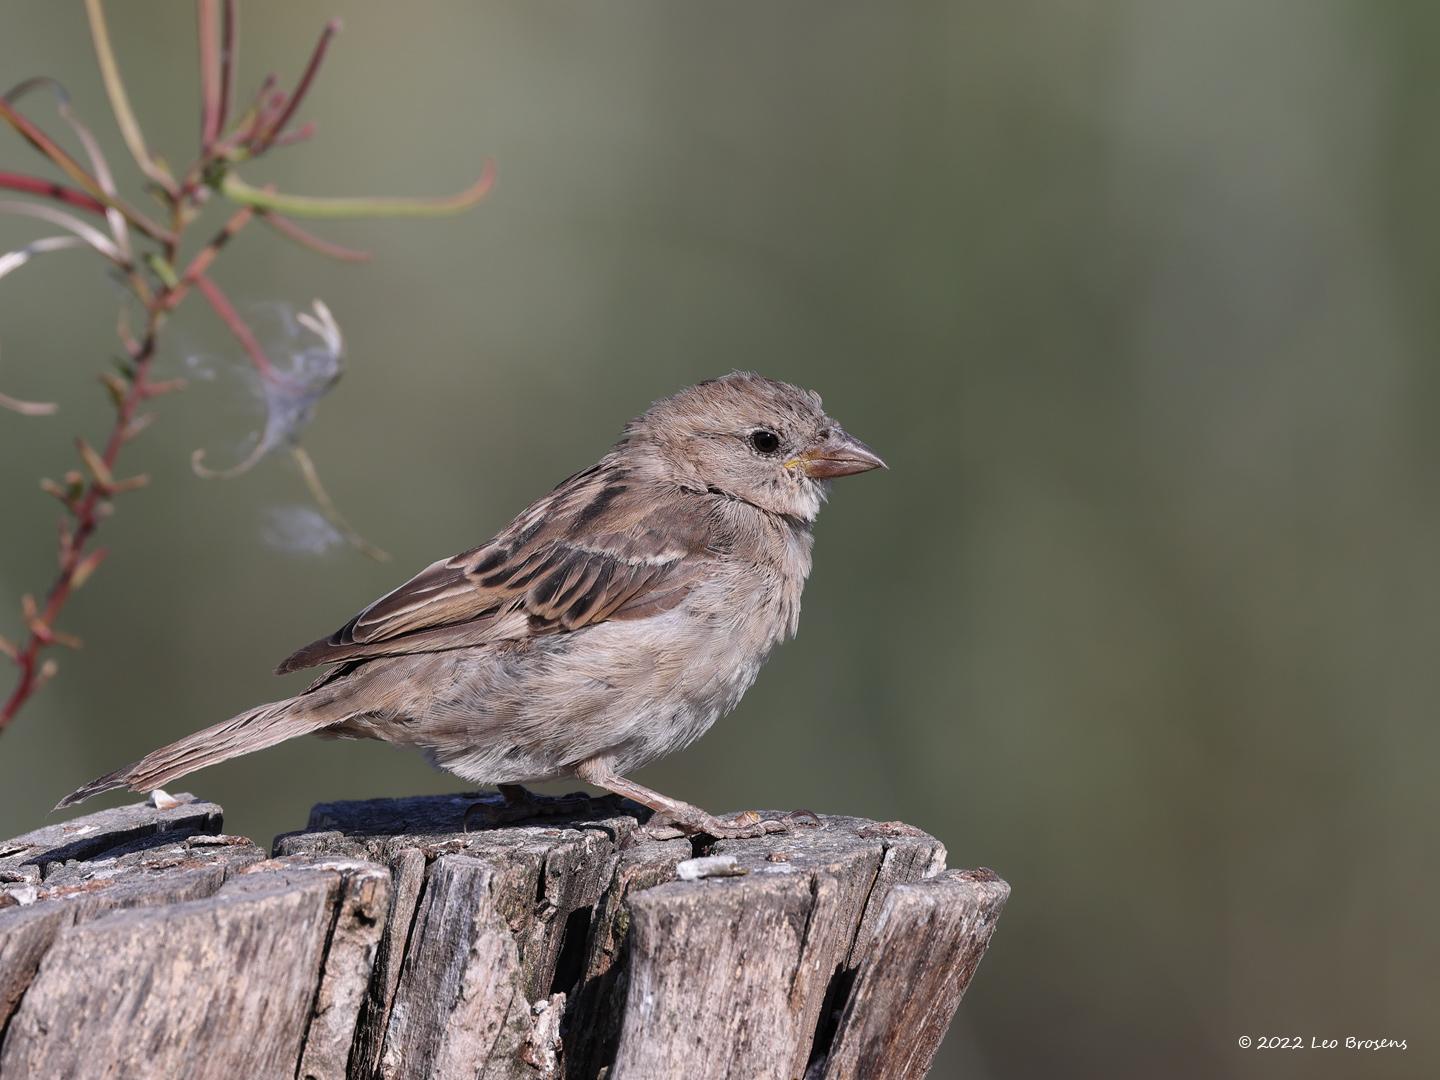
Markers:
point(358, 920)
point(384, 940)
point(928, 941)
point(132, 856)
point(461, 991)
point(200, 988)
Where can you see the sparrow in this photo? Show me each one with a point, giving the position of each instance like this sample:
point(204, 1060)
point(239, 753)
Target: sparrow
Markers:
point(611, 623)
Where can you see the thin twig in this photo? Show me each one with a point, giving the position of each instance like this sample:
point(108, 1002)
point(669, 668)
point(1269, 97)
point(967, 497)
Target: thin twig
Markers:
point(158, 283)
point(28, 408)
point(233, 147)
point(87, 510)
point(236, 325)
point(88, 233)
point(312, 67)
point(73, 169)
point(206, 255)
point(229, 48)
point(294, 136)
point(304, 238)
point(99, 166)
point(14, 260)
point(118, 229)
point(49, 189)
point(207, 17)
point(120, 101)
point(16, 405)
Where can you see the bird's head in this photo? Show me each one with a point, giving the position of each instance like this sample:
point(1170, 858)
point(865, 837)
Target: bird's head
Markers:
point(766, 442)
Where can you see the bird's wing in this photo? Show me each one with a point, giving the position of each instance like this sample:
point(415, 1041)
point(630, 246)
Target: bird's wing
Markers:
point(597, 547)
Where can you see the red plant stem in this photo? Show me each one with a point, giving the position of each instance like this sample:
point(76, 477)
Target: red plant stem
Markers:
point(303, 86)
point(73, 169)
point(253, 114)
point(299, 135)
point(88, 513)
point(247, 122)
point(236, 325)
point(305, 238)
point(38, 185)
point(205, 256)
point(207, 17)
point(92, 506)
point(259, 128)
point(229, 45)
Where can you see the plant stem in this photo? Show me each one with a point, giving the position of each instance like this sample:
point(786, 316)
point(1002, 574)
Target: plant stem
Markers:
point(312, 67)
point(307, 239)
point(263, 126)
point(229, 45)
point(237, 326)
point(236, 190)
point(120, 100)
point(207, 18)
point(88, 513)
point(77, 172)
point(38, 185)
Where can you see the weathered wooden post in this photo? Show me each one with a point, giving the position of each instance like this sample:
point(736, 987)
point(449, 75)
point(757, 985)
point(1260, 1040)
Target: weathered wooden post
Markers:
point(384, 941)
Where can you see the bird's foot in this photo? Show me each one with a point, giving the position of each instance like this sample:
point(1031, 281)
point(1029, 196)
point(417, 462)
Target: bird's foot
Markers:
point(743, 826)
point(516, 804)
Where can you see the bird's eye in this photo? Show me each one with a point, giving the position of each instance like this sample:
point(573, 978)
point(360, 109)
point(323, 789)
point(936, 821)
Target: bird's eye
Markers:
point(767, 442)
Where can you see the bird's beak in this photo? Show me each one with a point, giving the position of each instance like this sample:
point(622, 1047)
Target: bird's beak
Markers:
point(838, 454)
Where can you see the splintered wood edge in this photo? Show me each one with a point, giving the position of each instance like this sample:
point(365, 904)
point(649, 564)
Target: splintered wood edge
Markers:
point(74, 871)
point(712, 968)
point(134, 988)
point(928, 943)
point(29, 857)
point(868, 944)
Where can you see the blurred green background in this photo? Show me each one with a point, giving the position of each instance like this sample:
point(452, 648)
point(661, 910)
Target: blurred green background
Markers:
point(1137, 299)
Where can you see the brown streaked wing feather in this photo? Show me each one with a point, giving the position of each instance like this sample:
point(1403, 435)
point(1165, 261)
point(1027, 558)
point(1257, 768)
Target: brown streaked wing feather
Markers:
point(595, 548)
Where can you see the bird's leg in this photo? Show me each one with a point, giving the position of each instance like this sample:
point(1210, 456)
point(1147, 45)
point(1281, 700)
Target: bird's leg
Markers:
point(522, 804)
point(673, 817)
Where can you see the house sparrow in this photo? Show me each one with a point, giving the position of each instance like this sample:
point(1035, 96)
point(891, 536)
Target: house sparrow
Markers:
point(609, 624)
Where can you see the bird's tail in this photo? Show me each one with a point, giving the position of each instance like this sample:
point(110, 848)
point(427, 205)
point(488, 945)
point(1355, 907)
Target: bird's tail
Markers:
point(255, 729)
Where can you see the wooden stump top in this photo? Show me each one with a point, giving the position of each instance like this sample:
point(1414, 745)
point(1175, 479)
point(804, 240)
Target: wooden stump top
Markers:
point(385, 941)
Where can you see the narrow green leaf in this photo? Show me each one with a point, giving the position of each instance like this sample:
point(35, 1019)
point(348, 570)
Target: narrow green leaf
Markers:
point(313, 206)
